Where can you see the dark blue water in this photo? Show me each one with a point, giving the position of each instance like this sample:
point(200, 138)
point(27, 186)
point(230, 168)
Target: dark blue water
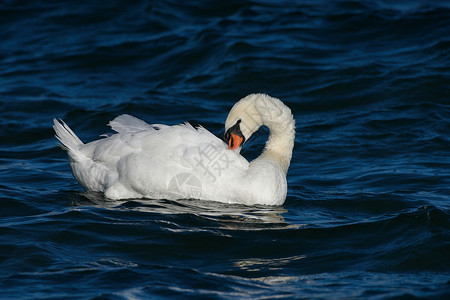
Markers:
point(367, 214)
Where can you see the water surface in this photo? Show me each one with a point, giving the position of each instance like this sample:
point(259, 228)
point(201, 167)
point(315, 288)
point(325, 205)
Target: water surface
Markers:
point(367, 212)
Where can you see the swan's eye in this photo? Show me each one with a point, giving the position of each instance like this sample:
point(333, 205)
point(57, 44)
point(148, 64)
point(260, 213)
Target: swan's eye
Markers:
point(227, 135)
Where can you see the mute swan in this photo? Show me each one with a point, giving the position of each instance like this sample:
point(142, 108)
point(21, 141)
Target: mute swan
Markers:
point(175, 162)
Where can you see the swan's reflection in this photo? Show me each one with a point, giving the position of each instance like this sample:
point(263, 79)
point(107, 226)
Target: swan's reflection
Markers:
point(227, 216)
point(185, 217)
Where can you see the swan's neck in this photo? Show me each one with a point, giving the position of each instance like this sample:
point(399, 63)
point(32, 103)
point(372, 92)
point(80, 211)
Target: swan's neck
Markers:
point(281, 139)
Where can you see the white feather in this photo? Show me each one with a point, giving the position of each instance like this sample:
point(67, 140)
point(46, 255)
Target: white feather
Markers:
point(126, 123)
point(69, 140)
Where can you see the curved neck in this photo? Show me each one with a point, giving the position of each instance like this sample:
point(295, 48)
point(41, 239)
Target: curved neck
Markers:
point(281, 139)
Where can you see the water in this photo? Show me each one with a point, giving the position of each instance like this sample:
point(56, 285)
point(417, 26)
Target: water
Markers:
point(367, 212)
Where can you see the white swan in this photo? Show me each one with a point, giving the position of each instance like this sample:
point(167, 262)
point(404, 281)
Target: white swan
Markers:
point(174, 162)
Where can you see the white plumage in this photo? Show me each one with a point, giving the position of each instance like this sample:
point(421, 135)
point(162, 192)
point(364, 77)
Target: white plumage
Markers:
point(175, 162)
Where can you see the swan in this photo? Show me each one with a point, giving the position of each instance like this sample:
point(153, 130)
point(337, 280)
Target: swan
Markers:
point(182, 162)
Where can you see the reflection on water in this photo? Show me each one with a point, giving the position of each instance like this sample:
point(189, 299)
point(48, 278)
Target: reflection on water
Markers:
point(224, 216)
point(260, 264)
point(269, 266)
point(277, 280)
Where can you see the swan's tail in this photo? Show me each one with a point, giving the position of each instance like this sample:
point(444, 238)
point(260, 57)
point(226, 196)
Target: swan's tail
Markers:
point(69, 140)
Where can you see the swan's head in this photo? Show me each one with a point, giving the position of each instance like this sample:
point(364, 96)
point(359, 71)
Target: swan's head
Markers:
point(242, 121)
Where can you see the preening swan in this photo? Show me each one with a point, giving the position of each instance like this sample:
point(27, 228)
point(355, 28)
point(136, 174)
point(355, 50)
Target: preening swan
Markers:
point(174, 162)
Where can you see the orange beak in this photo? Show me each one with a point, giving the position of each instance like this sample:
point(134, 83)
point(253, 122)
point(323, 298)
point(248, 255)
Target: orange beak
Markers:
point(234, 136)
point(235, 141)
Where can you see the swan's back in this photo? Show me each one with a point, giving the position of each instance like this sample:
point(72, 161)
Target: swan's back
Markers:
point(156, 161)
